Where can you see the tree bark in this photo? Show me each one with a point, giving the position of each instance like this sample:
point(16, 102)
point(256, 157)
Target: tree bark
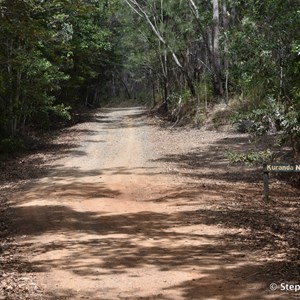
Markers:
point(211, 38)
point(218, 84)
point(126, 88)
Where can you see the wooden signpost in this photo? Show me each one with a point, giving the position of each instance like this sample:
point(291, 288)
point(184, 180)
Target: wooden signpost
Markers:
point(277, 168)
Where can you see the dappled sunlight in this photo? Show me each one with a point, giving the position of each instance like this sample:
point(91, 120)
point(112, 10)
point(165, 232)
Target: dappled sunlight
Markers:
point(90, 245)
point(114, 225)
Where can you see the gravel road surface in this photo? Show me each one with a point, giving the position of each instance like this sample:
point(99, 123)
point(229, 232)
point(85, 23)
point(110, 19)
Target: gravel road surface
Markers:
point(139, 212)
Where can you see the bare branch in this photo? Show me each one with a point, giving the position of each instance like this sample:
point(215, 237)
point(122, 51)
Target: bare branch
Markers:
point(140, 11)
point(194, 9)
point(132, 7)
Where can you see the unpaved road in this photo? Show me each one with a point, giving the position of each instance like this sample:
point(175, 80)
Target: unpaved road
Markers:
point(110, 221)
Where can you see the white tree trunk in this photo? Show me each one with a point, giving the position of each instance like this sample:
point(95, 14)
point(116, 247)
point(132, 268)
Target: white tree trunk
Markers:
point(216, 48)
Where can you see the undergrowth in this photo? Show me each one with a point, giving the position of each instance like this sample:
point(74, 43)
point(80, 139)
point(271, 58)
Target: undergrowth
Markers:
point(250, 158)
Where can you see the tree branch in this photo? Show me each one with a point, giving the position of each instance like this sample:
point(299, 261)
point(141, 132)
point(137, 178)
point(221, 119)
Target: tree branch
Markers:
point(140, 11)
point(194, 9)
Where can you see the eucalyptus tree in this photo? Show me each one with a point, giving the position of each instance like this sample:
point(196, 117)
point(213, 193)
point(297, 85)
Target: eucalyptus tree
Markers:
point(164, 22)
point(208, 23)
point(189, 33)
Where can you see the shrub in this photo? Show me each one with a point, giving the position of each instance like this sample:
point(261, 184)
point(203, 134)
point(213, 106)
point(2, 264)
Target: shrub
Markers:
point(250, 158)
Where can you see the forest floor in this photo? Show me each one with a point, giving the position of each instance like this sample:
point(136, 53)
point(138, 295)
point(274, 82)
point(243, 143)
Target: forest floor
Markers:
point(121, 207)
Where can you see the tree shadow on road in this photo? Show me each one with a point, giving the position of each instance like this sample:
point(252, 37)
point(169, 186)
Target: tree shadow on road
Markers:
point(134, 118)
point(119, 244)
point(215, 241)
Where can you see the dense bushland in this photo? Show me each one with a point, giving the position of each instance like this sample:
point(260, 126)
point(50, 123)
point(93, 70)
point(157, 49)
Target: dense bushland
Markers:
point(185, 56)
point(54, 56)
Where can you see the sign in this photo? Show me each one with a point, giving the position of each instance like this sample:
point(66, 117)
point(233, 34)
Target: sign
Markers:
point(272, 168)
point(276, 168)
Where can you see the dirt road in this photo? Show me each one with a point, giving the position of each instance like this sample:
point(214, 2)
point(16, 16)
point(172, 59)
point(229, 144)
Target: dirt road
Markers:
point(115, 220)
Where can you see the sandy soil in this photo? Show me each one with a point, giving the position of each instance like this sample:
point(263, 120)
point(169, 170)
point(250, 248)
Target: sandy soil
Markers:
point(134, 211)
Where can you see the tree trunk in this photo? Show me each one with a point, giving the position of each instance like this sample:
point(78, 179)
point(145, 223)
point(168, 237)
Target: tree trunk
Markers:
point(153, 94)
point(225, 58)
point(190, 83)
point(165, 89)
point(211, 38)
point(126, 89)
point(218, 84)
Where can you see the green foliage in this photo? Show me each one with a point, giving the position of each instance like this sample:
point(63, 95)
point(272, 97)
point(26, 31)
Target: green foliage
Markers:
point(62, 111)
point(57, 55)
point(174, 100)
point(257, 122)
point(204, 91)
point(177, 100)
point(51, 53)
point(272, 115)
point(250, 158)
point(275, 115)
point(261, 47)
